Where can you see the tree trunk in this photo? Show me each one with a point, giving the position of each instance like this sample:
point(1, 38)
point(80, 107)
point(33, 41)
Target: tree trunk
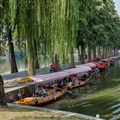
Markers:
point(78, 53)
point(103, 53)
point(11, 51)
point(52, 59)
point(99, 52)
point(36, 56)
point(30, 58)
point(106, 52)
point(89, 53)
point(82, 54)
point(114, 51)
point(72, 58)
point(94, 54)
point(2, 93)
point(57, 65)
point(109, 52)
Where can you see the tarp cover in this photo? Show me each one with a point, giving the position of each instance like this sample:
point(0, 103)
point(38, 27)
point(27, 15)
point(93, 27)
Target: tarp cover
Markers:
point(91, 65)
point(40, 79)
point(97, 64)
point(77, 70)
point(106, 60)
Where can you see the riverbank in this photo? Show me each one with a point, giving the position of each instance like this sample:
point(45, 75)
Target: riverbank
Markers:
point(17, 113)
point(61, 114)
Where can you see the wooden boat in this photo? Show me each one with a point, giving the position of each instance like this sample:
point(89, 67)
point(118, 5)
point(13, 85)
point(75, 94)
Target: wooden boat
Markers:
point(79, 83)
point(51, 96)
point(53, 93)
point(74, 72)
point(82, 81)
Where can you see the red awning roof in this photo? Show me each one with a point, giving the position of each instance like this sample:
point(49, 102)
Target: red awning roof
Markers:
point(41, 79)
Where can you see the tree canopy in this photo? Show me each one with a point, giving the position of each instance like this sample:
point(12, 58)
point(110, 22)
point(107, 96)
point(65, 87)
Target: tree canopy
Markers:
point(46, 28)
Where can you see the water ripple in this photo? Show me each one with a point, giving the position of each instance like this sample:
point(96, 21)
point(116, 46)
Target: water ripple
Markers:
point(115, 105)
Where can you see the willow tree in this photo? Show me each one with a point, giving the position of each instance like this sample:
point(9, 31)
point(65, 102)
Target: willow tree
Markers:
point(7, 23)
point(50, 26)
point(26, 14)
point(62, 20)
point(58, 29)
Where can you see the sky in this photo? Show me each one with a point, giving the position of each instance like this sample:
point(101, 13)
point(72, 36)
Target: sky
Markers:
point(117, 6)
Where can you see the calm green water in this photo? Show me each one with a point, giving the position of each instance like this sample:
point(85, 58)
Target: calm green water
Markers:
point(5, 65)
point(101, 97)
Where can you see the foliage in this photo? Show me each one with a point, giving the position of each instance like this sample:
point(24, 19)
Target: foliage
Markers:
point(49, 27)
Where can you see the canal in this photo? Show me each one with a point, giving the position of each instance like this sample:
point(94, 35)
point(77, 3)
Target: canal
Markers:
point(100, 98)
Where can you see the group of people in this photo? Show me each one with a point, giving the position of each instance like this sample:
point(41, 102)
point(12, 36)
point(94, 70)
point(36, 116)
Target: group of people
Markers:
point(73, 80)
point(40, 91)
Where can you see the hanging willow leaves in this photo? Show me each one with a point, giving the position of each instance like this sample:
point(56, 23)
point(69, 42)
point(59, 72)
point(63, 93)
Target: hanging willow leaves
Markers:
point(51, 24)
point(47, 28)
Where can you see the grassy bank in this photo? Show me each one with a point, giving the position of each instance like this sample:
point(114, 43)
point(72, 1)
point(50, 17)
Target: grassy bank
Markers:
point(16, 113)
point(104, 101)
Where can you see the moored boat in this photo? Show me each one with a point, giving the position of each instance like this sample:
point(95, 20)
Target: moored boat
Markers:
point(79, 78)
point(51, 95)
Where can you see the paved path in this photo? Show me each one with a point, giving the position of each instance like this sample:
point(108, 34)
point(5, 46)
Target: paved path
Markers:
point(18, 75)
point(87, 117)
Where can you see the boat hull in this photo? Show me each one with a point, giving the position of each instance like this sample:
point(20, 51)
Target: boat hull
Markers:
point(40, 101)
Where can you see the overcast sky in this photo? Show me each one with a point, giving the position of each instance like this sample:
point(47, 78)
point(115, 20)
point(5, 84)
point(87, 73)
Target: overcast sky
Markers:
point(117, 6)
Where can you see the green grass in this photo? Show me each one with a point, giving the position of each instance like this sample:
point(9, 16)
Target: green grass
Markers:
point(16, 113)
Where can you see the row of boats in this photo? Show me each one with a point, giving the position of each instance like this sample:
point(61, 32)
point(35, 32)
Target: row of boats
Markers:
point(58, 83)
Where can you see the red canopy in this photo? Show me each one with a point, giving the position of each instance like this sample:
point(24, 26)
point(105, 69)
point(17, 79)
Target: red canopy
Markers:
point(99, 65)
